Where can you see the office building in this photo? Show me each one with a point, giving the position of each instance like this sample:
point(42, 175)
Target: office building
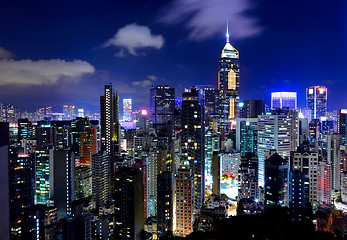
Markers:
point(162, 104)
point(276, 180)
point(209, 99)
point(246, 135)
point(129, 204)
point(42, 182)
point(228, 85)
point(248, 177)
point(62, 180)
point(307, 162)
point(316, 100)
point(342, 124)
point(83, 188)
point(211, 145)
point(25, 130)
point(45, 135)
point(298, 198)
point(333, 146)
point(274, 133)
point(127, 109)
point(252, 108)
point(283, 100)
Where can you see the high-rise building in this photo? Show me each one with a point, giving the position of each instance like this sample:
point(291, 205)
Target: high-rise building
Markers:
point(228, 85)
point(246, 135)
point(248, 177)
point(276, 180)
point(88, 146)
point(191, 144)
point(83, 187)
point(283, 100)
point(183, 220)
point(109, 124)
point(25, 130)
point(324, 183)
point(165, 203)
point(62, 180)
point(21, 192)
point(342, 124)
point(274, 133)
point(316, 100)
point(129, 204)
point(252, 108)
point(307, 163)
point(297, 194)
point(333, 146)
point(209, 99)
point(45, 135)
point(162, 104)
point(4, 179)
point(216, 173)
point(42, 182)
point(127, 109)
point(101, 178)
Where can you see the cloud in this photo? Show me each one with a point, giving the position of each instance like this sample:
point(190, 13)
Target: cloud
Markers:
point(5, 54)
point(133, 37)
point(205, 18)
point(148, 82)
point(45, 72)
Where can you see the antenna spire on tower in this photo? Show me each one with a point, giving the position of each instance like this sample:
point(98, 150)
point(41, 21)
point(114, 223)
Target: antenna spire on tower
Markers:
point(227, 34)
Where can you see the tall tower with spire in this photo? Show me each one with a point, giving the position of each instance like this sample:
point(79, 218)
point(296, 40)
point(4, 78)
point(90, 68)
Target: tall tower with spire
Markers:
point(228, 85)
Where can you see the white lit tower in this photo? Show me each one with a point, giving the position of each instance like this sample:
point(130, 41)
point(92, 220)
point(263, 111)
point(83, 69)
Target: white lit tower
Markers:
point(109, 124)
point(316, 100)
point(228, 85)
point(127, 109)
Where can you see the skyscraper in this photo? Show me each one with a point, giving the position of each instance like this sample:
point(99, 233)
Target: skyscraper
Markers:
point(88, 146)
point(246, 135)
point(342, 124)
point(42, 176)
point(248, 177)
point(276, 180)
point(101, 178)
point(109, 121)
point(127, 109)
point(62, 180)
point(109, 126)
point(253, 108)
point(283, 100)
point(162, 104)
point(279, 132)
point(307, 163)
point(129, 204)
point(183, 213)
point(316, 100)
point(228, 85)
point(191, 144)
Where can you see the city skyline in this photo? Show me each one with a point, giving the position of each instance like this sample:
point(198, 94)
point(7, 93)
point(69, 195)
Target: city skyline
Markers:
point(59, 58)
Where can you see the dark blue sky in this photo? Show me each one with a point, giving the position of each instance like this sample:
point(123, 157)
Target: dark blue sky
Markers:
point(63, 52)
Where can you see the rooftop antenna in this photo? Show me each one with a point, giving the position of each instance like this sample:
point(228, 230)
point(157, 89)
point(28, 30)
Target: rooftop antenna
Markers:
point(227, 34)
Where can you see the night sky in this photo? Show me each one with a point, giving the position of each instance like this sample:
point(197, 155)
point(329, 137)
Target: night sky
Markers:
point(63, 52)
